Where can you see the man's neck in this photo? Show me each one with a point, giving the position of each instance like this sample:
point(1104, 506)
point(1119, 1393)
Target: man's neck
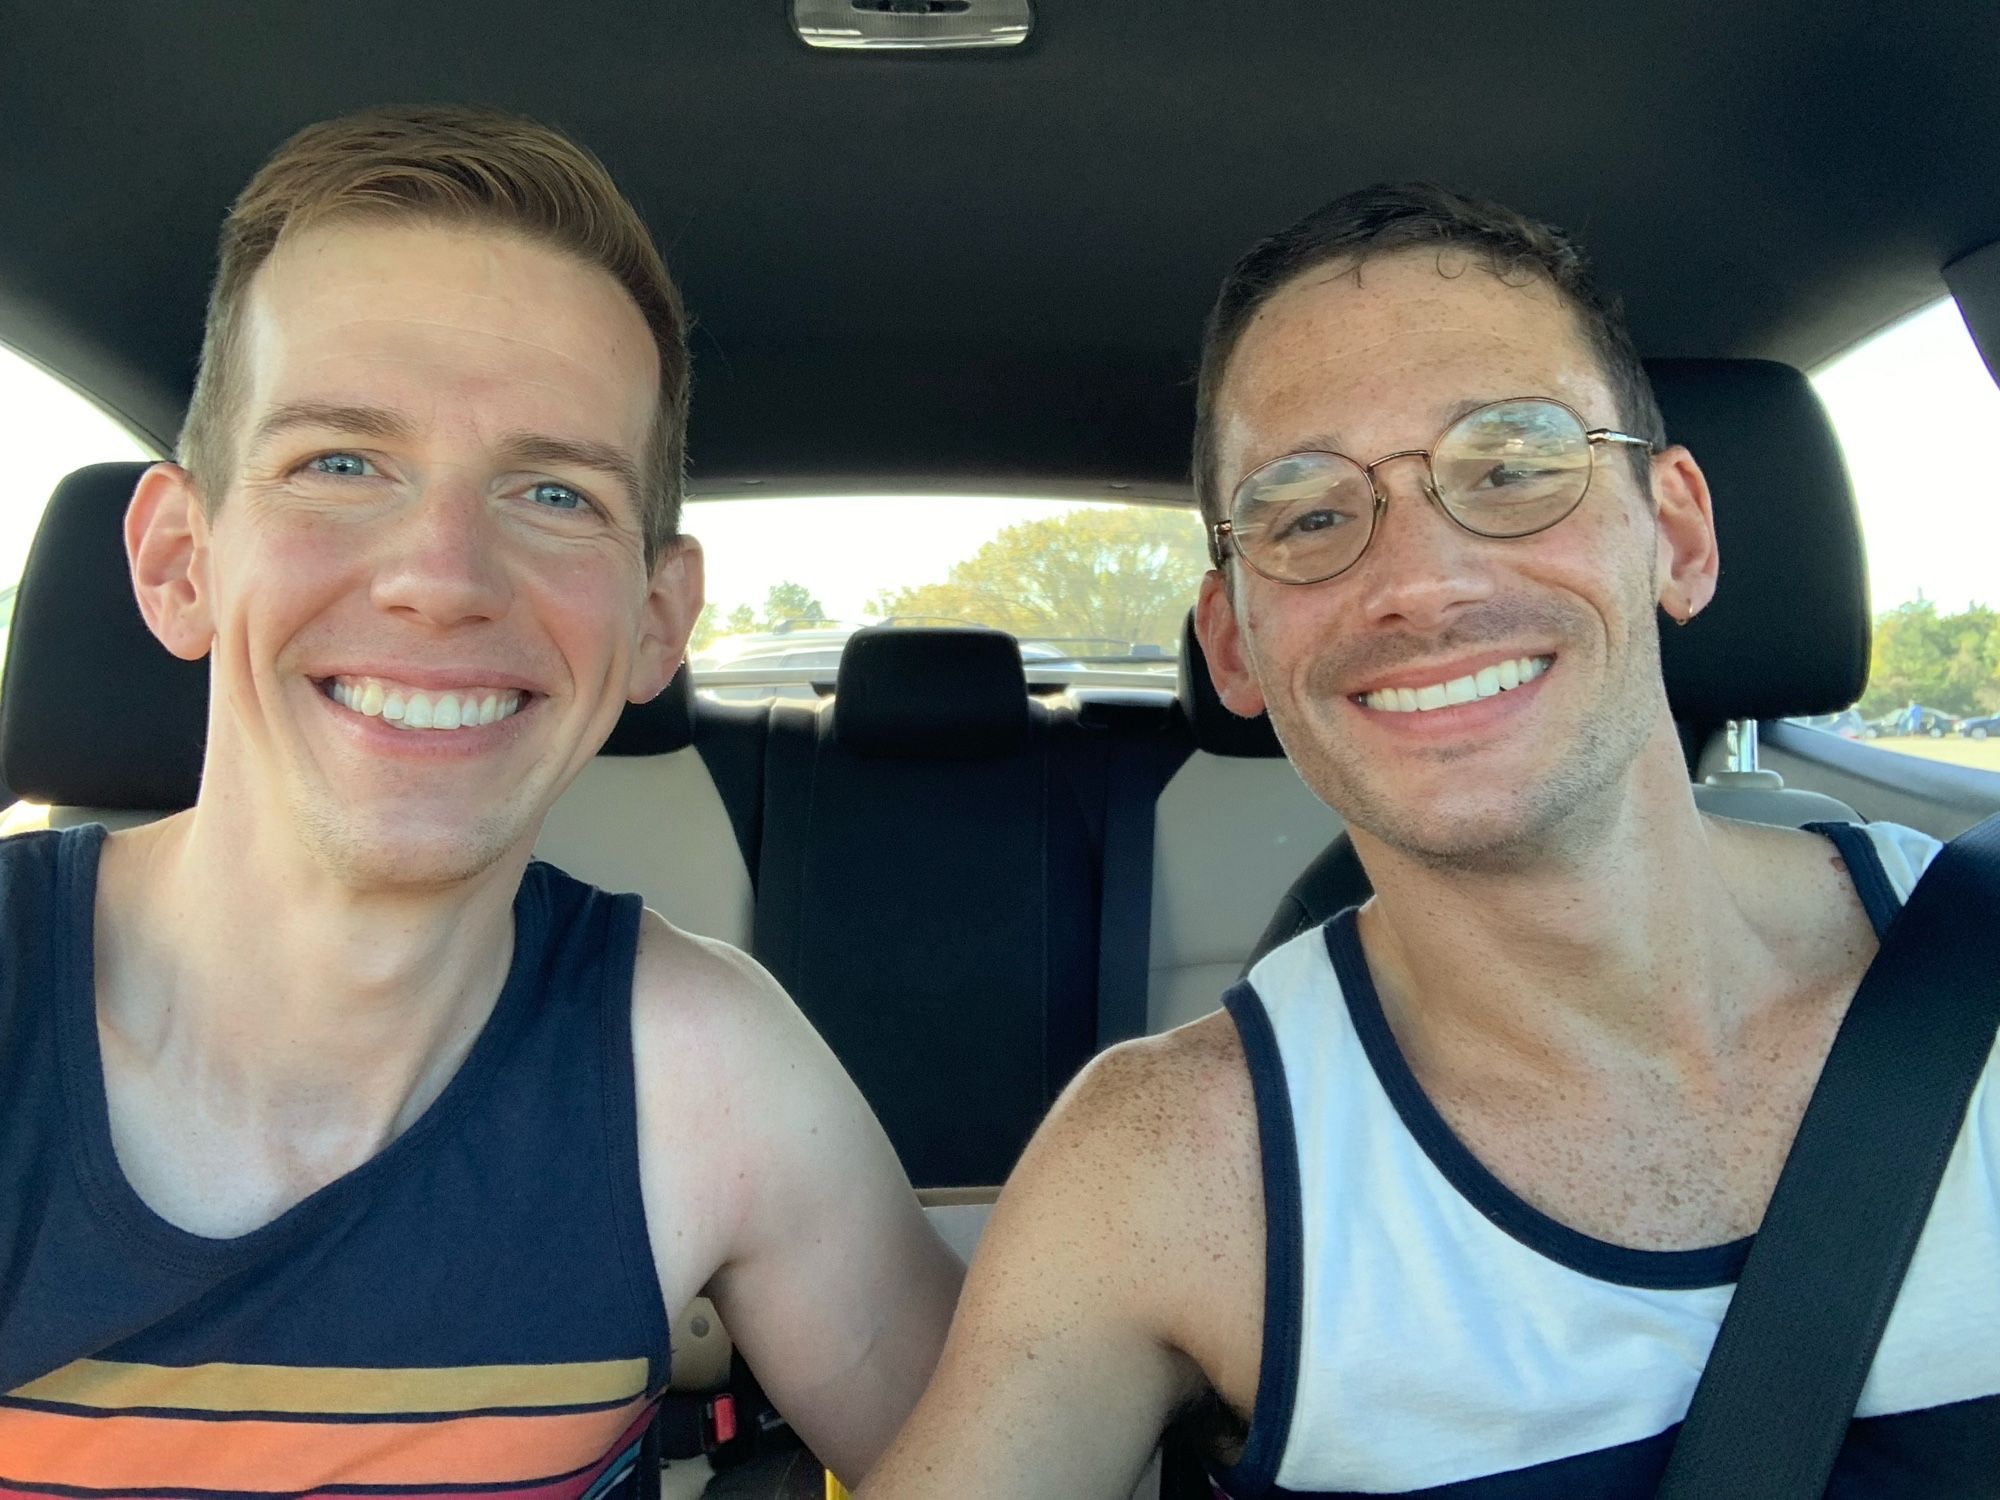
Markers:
point(1631, 942)
point(291, 1002)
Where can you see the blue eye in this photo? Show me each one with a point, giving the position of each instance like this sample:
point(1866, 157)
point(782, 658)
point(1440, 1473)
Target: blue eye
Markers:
point(555, 496)
point(341, 465)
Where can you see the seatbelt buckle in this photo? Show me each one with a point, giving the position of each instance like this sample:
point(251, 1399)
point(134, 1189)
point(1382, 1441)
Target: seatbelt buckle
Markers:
point(718, 1422)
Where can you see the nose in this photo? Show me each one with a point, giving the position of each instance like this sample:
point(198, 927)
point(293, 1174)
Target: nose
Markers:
point(440, 559)
point(1420, 566)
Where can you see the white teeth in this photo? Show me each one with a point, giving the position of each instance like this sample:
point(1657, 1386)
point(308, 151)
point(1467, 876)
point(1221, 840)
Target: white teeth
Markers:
point(413, 710)
point(1485, 683)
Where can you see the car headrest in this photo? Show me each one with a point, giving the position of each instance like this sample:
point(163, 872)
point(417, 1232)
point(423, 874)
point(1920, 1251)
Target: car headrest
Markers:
point(1788, 630)
point(664, 724)
point(938, 694)
point(94, 712)
point(1216, 729)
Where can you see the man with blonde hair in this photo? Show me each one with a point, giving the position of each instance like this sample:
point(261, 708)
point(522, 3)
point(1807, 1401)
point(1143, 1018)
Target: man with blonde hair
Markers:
point(344, 1146)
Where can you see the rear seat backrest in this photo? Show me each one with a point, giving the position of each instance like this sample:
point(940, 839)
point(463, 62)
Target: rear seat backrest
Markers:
point(924, 893)
point(98, 720)
point(647, 814)
point(1233, 829)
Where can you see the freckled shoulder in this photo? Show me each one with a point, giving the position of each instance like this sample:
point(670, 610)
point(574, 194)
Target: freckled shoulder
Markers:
point(1151, 1161)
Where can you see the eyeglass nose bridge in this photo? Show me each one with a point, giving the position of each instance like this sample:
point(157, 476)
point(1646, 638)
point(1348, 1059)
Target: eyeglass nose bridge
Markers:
point(1430, 480)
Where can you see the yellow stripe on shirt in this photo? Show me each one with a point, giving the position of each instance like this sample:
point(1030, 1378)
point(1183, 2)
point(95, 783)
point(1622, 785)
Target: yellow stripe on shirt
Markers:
point(304, 1390)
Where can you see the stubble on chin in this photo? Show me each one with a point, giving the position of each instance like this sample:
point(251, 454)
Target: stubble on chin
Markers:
point(1489, 828)
point(369, 851)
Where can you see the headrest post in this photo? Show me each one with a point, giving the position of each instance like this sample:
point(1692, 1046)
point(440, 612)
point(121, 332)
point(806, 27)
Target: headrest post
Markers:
point(1741, 769)
point(1742, 745)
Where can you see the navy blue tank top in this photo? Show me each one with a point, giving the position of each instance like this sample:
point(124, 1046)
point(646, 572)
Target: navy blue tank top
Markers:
point(474, 1310)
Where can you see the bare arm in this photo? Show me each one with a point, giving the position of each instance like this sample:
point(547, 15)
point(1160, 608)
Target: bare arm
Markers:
point(768, 1178)
point(1108, 1291)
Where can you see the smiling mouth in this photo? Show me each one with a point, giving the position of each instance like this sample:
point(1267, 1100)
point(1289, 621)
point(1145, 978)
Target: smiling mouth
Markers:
point(421, 710)
point(1487, 682)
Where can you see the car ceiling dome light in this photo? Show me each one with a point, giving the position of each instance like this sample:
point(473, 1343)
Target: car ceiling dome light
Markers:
point(911, 25)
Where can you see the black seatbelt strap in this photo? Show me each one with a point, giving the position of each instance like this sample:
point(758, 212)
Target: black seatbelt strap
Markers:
point(1134, 782)
point(1780, 1389)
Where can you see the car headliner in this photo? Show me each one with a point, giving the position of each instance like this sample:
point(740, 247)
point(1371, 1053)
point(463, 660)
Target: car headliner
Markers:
point(988, 270)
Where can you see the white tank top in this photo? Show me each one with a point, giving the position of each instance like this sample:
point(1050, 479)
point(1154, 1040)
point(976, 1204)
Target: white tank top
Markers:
point(1427, 1331)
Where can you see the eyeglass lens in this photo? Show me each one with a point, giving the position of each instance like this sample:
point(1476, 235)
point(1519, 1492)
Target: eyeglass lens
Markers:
point(1508, 469)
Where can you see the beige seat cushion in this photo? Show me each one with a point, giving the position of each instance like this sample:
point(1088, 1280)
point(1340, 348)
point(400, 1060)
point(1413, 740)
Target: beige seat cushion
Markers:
point(1230, 837)
point(655, 824)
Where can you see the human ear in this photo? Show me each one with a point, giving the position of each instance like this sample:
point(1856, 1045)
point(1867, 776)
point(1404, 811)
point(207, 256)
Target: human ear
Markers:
point(673, 600)
point(166, 546)
point(1222, 642)
point(1686, 559)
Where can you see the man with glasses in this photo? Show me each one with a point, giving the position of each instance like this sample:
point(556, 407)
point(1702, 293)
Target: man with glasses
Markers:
point(1450, 1198)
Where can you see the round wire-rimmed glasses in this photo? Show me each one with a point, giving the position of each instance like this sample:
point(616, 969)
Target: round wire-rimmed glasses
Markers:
point(1505, 469)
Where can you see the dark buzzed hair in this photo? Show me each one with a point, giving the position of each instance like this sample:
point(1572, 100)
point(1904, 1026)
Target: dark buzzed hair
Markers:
point(1398, 216)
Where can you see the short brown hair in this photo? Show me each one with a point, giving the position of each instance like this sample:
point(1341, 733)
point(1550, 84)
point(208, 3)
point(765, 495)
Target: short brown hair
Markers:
point(448, 164)
point(1389, 217)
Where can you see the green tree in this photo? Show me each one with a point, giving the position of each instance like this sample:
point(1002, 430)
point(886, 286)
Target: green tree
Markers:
point(742, 620)
point(790, 601)
point(704, 629)
point(1125, 574)
point(1948, 662)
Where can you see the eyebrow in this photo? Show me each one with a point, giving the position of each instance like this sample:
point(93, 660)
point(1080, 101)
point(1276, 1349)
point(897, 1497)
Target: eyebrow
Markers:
point(534, 449)
point(366, 421)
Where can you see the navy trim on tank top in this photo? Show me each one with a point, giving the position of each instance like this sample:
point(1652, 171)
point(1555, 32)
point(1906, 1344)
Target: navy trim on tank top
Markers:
point(619, 1090)
point(1665, 1270)
point(82, 1064)
point(1284, 1251)
point(1864, 866)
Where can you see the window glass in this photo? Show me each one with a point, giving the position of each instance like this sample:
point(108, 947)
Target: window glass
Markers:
point(1095, 591)
point(1910, 405)
point(51, 431)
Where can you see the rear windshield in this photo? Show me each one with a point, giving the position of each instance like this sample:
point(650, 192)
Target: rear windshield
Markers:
point(1094, 591)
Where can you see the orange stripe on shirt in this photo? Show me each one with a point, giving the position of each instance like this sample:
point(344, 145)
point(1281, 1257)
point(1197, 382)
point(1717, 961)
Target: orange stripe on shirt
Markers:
point(129, 1452)
point(334, 1391)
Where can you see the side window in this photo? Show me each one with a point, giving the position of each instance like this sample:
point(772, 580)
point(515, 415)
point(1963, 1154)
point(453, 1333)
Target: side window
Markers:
point(52, 430)
point(1913, 406)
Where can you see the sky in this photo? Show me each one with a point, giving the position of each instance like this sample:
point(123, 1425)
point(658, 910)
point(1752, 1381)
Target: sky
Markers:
point(1912, 406)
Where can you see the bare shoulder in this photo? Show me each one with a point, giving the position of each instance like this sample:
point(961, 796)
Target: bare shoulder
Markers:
point(736, 1096)
point(1148, 1171)
point(705, 1013)
point(1172, 1105)
point(1796, 888)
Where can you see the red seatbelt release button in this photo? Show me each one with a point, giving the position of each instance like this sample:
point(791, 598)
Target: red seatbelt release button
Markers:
point(722, 1420)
